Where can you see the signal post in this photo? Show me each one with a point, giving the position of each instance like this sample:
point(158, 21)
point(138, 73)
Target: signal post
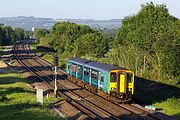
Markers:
point(55, 61)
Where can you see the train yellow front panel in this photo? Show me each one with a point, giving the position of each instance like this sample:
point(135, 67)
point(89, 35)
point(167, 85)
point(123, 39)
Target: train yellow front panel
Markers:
point(122, 83)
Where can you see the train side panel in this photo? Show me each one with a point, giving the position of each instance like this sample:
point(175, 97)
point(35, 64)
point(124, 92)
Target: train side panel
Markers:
point(98, 79)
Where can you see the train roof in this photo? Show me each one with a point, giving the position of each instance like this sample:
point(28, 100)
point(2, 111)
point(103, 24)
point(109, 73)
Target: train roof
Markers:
point(79, 61)
point(95, 65)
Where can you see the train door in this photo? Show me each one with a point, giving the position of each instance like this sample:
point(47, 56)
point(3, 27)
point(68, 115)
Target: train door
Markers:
point(86, 75)
point(94, 78)
point(101, 81)
point(122, 83)
point(79, 72)
point(73, 70)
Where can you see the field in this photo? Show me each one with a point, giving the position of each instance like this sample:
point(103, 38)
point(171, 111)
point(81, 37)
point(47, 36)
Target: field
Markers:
point(18, 99)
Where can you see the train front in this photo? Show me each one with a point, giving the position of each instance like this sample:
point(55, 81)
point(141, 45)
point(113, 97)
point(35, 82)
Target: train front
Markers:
point(121, 84)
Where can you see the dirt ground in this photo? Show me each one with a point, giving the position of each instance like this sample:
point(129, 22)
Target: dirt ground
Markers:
point(3, 64)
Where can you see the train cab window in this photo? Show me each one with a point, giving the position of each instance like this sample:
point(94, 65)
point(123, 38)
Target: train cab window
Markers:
point(113, 77)
point(102, 78)
point(129, 77)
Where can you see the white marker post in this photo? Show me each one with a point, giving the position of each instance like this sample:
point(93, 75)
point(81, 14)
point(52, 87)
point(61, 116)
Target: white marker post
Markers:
point(55, 73)
point(55, 80)
point(39, 95)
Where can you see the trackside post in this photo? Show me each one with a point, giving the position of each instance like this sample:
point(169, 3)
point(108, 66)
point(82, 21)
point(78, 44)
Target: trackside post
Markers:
point(55, 63)
point(39, 95)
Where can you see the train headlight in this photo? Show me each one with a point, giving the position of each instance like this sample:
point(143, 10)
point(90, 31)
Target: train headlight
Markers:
point(113, 88)
point(130, 89)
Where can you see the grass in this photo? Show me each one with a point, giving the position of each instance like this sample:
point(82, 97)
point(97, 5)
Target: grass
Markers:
point(1, 49)
point(48, 56)
point(33, 46)
point(18, 100)
point(163, 96)
point(45, 55)
point(171, 106)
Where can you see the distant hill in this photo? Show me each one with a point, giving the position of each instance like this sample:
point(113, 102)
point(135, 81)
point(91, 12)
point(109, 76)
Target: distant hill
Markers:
point(101, 24)
point(28, 22)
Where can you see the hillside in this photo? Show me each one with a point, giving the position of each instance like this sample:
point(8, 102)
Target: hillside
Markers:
point(28, 22)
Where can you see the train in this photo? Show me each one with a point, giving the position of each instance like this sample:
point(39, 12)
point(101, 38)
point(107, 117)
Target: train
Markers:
point(108, 81)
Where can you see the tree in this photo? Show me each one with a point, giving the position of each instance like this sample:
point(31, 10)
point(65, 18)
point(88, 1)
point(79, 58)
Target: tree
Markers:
point(19, 32)
point(7, 35)
point(155, 32)
point(64, 35)
point(41, 33)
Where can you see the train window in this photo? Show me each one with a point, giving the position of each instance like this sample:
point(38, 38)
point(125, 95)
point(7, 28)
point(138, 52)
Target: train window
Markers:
point(102, 78)
point(113, 77)
point(94, 74)
point(68, 67)
point(73, 68)
point(86, 72)
point(129, 77)
point(79, 70)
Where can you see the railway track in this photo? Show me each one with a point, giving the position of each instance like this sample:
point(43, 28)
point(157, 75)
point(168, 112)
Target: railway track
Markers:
point(89, 103)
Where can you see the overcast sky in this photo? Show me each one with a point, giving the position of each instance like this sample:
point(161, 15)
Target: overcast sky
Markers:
point(91, 9)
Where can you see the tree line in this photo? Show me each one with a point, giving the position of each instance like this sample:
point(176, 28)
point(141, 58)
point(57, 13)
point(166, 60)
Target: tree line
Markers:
point(8, 35)
point(71, 39)
point(147, 43)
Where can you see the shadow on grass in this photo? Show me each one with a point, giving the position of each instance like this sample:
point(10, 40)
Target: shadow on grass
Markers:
point(150, 91)
point(22, 111)
point(11, 90)
point(177, 116)
point(11, 80)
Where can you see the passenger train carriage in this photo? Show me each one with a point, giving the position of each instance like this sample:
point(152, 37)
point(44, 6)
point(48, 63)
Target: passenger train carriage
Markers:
point(109, 81)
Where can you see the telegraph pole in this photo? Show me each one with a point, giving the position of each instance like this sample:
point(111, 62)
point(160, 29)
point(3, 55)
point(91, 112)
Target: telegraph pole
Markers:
point(55, 72)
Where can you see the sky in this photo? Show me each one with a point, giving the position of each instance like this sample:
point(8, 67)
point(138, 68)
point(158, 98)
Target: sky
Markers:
point(80, 9)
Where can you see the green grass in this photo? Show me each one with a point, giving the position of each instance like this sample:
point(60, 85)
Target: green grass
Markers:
point(33, 46)
point(45, 55)
point(18, 100)
point(163, 96)
point(1, 49)
point(48, 57)
point(171, 106)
